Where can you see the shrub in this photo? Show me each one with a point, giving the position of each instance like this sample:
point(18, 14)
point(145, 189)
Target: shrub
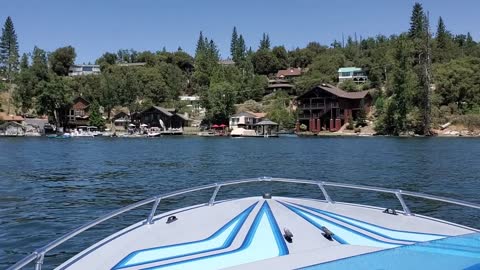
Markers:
point(470, 121)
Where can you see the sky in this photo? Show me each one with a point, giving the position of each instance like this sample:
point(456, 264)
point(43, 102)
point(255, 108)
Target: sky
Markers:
point(94, 27)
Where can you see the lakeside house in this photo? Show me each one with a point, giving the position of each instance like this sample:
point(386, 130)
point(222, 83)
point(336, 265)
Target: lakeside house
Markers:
point(275, 85)
point(193, 103)
point(226, 62)
point(289, 73)
point(166, 119)
point(79, 70)
point(355, 74)
point(283, 81)
point(245, 120)
point(137, 64)
point(121, 120)
point(326, 107)
point(78, 114)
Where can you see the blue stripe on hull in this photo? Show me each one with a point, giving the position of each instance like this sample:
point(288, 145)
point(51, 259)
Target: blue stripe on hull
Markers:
point(263, 241)
point(221, 239)
point(396, 235)
point(342, 234)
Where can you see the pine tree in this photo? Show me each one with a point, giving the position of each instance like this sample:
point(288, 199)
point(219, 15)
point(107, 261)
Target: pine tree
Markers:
point(24, 62)
point(417, 22)
point(442, 34)
point(265, 42)
point(241, 49)
point(96, 118)
point(234, 44)
point(9, 49)
point(200, 45)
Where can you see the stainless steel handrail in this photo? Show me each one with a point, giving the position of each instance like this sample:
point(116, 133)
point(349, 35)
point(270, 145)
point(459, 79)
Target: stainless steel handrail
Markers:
point(38, 255)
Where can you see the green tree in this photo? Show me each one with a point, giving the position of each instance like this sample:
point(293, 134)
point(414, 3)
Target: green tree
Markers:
point(9, 49)
point(417, 22)
point(96, 118)
point(264, 62)
point(24, 62)
point(234, 44)
point(61, 59)
point(264, 42)
point(281, 56)
point(25, 91)
point(403, 86)
point(457, 83)
point(219, 100)
point(279, 112)
point(241, 50)
point(443, 43)
point(55, 98)
point(39, 64)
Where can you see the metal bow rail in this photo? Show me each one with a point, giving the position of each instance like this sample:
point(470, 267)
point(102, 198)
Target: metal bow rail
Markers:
point(38, 255)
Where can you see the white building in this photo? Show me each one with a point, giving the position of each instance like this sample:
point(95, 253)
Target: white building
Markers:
point(352, 73)
point(193, 102)
point(245, 119)
point(78, 70)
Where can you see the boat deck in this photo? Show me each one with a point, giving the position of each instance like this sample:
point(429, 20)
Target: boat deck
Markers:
point(248, 233)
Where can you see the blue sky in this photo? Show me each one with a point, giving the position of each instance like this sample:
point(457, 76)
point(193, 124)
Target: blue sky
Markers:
point(96, 26)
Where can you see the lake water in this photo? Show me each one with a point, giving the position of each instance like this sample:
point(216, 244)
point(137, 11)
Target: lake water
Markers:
point(51, 186)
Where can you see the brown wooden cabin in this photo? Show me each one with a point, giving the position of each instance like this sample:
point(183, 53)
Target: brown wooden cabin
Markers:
point(327, 107)
point(78, 114)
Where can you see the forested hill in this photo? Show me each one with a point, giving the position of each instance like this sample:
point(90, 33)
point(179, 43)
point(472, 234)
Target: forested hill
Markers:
point(420, 78)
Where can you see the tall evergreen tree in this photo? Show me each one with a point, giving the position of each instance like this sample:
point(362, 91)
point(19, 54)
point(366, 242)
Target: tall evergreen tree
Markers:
point(200, 45)
point(9, 49)
point(265, 42)
point(241, 49)
point(24, 62)
point(417, 22)
point(442, 34)
point(234, 44)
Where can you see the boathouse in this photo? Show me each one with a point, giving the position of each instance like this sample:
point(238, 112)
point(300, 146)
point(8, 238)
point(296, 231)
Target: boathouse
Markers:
point(326, 107)
point(160, 117)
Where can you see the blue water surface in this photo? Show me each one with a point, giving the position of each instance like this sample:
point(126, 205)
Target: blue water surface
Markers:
point(49, 187)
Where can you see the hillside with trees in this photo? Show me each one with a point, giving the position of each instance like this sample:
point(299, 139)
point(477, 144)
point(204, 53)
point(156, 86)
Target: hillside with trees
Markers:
point(419, 79)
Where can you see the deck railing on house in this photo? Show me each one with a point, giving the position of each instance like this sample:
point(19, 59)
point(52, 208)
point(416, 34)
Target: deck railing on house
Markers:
point(38, 255)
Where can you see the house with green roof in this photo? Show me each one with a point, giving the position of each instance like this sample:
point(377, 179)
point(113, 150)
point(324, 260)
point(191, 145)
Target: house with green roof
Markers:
point(355, 74)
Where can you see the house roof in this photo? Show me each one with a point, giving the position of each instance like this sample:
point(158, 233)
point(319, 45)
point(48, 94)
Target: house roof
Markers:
point(339, 92)
point(6, 117)
point(138, 64)
point(289, 72)
point(87, 103)
point(266, 122)
point(277, 81)
point(259, 115)
point(226, 62)
point(163, 110)
point(349, 69)
point(182, 116)
point(280, 85)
